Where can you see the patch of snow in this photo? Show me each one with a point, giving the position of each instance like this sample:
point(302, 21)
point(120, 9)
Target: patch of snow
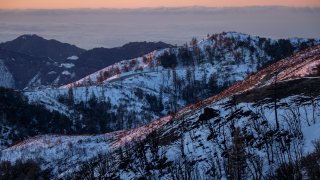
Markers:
point(35, 81)
point(56, 81)
point(67, 65)
point(52, 72)
point(44, 98)
point(73, 58)
point(310, 133)
point(67, 73)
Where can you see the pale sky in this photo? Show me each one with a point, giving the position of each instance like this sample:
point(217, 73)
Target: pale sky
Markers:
point(63, 4)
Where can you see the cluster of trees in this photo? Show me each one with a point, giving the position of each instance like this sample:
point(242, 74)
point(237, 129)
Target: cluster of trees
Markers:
point(189, 88)
point(280, 49)
point(186, 55)
point(101, 116)
point(308, 167)
point(29, 119)
point(168, 60)
point(96, 116)
point(155, 103)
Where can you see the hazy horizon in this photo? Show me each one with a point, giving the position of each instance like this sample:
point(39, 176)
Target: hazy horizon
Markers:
point(160, 7)
point(89, 28)
point(40, 4)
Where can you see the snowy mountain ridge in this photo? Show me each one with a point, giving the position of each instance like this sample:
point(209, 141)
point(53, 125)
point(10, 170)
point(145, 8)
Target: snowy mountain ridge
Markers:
point(214, 42)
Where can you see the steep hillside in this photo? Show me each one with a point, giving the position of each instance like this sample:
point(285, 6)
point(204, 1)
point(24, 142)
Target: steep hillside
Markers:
point(247, 131)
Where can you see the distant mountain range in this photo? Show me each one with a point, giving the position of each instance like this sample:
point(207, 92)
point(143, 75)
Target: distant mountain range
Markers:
point(52, 63)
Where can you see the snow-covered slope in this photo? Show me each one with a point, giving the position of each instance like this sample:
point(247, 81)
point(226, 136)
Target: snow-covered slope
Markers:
point(197, 71)
point(259, 123)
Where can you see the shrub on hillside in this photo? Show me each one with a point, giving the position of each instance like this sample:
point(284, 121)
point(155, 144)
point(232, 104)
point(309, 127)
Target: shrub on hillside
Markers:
point(168, 60)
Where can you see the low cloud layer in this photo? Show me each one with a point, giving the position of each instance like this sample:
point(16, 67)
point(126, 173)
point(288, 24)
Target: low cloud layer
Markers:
point(88, 28)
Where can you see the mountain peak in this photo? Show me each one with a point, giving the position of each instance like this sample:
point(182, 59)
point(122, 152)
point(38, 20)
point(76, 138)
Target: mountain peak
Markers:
point(29, 36)
point(34, 45)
